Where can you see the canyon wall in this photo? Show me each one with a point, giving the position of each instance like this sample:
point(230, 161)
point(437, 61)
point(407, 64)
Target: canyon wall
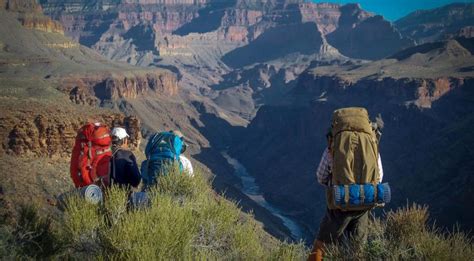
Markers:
point(44, 24)
point(239, 21)
point(30, 14)
point(22, 6)
point(436, 24)
point(93, 89)
point(40, 134)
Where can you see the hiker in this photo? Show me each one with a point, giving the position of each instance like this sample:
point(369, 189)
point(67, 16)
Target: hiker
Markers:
point(348, 160)
point(162, 151)
point(123, 168)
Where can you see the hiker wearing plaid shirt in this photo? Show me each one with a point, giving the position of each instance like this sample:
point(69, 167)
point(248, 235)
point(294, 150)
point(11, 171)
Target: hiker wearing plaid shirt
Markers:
point(335, 222)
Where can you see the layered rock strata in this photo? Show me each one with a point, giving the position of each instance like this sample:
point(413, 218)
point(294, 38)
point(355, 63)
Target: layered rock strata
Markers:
point(44, 135)
point(92, 89)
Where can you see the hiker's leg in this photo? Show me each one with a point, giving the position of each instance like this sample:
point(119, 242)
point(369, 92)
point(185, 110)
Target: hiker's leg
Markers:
point(331, 228)
point(358, 227)
point(362, 227)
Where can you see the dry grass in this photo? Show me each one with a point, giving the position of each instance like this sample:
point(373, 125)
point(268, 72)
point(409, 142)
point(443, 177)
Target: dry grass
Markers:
point(405, 235)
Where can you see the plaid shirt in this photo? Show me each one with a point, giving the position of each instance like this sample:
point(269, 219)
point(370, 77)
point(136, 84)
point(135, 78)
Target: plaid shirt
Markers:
point(324, 169)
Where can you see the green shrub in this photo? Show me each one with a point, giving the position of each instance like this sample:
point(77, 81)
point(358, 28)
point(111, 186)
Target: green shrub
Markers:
point(185, 220)
point(29, 237)
point(404, 235)
point(181, 186)
point(80, 227)
point(7, 249)
point(443, 246)
point(164, 231)
point(115, 205)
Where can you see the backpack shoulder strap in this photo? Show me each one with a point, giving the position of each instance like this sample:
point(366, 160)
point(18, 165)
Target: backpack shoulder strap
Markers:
point(152, 143)
point(112, 177)
point(172, 139)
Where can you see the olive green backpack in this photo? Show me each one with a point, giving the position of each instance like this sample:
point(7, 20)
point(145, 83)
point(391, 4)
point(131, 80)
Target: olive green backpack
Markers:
point(354, 151)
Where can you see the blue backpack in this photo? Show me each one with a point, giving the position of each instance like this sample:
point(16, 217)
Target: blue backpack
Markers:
point(162, 152)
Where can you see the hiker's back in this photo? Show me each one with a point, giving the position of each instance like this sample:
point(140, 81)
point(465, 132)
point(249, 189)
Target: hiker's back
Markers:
point(124, 169)
point(354, 148)
point(91, 155)
point(354, 152)
point(162, 151)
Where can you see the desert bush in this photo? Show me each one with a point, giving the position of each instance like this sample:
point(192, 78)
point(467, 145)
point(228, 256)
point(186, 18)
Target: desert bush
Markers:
point(438, 245)
point(290, 251)
point(405, 235)
point(79, 229)
point(163, 231)
point(115, 205)
point(407, 223)
point(31, 236)
point(7, 250)
point(185, 220)
point(180, 186)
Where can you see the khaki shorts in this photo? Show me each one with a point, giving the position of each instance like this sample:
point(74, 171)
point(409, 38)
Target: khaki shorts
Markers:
point(336, 224)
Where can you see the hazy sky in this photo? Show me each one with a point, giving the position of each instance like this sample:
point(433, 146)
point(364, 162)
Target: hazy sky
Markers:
point(394, 9)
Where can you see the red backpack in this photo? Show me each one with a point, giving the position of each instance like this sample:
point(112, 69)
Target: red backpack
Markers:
point(91, 155)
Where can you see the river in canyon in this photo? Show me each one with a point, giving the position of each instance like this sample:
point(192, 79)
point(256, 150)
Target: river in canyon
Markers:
point(252, 190)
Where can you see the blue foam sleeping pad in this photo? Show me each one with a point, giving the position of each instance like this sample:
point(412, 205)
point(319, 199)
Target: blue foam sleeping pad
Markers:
point(383, 194)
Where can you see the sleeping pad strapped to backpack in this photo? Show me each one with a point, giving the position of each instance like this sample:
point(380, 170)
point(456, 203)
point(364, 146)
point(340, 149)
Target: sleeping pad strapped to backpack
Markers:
point(354, 151)
point(162, 151)
point(90, 159)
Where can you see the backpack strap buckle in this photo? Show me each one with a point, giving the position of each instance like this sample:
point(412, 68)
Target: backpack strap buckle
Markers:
point(100, 152)
point(346, 194)
point(362, 193)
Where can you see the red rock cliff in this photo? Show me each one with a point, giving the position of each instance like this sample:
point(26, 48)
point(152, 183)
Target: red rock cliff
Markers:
point(41, 23)
point(30, 14)
point(52, 133)
point(419, 91)
point(94, 88)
